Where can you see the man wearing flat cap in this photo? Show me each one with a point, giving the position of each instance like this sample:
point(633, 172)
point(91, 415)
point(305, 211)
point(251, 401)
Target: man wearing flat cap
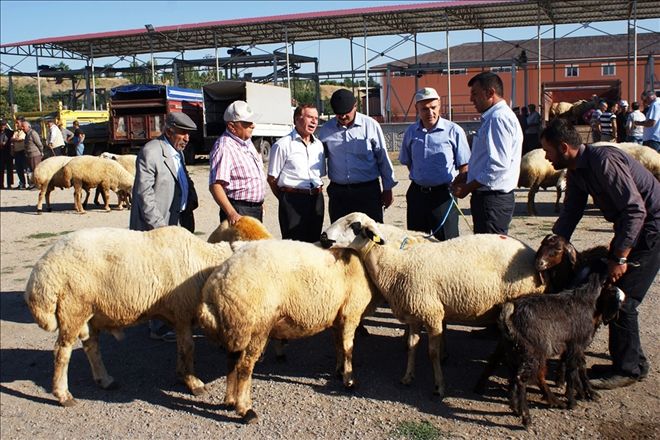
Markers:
point(162, 190)
point(435, 150)
point(357, 157)
point(237, 180)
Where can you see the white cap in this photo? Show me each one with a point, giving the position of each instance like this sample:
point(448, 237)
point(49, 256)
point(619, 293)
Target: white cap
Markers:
point(239, 111)
point(623, 103)
point(425, 94)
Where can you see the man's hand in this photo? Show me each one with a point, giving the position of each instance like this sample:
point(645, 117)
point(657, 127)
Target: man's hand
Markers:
point(233, 218)
point(387, 198)
point(615, 270)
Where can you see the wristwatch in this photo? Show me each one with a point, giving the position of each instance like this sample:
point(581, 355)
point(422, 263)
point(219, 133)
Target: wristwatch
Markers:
point(619, 260)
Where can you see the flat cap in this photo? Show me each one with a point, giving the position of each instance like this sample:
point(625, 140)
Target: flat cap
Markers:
point(425, 94)
point(239, 111)
point(342, 101)
point(181, 121)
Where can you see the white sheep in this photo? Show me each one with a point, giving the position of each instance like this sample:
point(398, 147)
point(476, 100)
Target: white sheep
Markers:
point(87, 172)
point(43, 179)
point(284, 290)
point(460, 280)
point(107, 279)
point(647, 156)
point(126, 160)
point(537, 172)
point(340, 233)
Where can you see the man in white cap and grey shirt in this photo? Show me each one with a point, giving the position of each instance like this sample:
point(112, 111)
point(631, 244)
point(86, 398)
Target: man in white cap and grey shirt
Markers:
point(435, 150)
point(237, 179)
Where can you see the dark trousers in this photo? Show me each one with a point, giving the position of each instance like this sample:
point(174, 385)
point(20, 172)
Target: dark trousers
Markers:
point(426, 209)
point(57, 151)
point(6, 167)
point(21, 166)
point(492, 211)
point(624, 343)
point(359, 197)
point(252, 209)
point(653, 144)
point(301, 216)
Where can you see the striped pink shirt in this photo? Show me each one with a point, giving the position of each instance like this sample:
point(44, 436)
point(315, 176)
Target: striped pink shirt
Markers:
point(237, 166)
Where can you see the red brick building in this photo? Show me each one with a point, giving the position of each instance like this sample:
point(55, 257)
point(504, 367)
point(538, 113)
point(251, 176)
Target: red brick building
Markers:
point(570, 61)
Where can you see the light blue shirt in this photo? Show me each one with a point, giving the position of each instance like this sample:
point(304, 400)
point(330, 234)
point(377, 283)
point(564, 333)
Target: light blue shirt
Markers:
point(180, 172)
point(496, 150)
point(357, 153)
point(653, 133)
point(434, 155)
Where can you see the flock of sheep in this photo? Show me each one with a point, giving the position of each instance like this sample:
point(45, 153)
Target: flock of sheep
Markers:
point(244, 292)
point(242, 287)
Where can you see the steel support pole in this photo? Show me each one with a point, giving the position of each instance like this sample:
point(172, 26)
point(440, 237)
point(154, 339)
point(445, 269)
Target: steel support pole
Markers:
point(217, 61)
point(288, 72)
point(416, 75)
point(366, 71)
point(388, 98)
point(635, 50)
point(38, 84)
point(10, 92)
point(318, 86)
point(538, 63)
point(91, 51)
point(352, 68)
point(449, 112)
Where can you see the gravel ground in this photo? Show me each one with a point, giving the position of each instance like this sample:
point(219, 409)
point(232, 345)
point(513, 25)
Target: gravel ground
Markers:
point(300, 398)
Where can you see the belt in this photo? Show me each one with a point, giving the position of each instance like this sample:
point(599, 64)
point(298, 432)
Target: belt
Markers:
point(430, 189)
point(309, 191)
point(356, 185)
point(245, 203)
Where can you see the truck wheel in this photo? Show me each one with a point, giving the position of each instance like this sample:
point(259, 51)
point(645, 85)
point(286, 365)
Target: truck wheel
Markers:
point(264, 149)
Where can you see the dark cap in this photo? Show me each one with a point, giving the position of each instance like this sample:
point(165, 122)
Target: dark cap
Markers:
point(342, 101)
point(181, 121)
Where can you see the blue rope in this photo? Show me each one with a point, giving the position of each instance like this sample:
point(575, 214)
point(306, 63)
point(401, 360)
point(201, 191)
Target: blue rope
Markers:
point(444, 219)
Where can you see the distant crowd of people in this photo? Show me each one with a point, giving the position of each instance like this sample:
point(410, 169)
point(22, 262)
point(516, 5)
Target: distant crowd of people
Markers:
point(22, 149)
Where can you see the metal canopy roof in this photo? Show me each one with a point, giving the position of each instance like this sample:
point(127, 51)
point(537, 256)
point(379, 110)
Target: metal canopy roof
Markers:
point(347, 23)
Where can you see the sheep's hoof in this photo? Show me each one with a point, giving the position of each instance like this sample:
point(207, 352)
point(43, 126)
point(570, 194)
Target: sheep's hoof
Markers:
point(250, 417)
point(68, 403)
point(109, 384)
point(439, 392)
point(39, 211)
point(526, 421)
point(407, 379)
point(350, 385)
point(592, 395)
point(199, 391)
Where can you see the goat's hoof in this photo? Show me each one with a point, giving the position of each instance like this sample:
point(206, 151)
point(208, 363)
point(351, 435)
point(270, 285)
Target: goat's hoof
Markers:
point(526, 421)
point(199, 391)
point(250, 417)
point(439, 393)
point(68, 403)
point(280, 358)
point(593, 395)
point(407, 379)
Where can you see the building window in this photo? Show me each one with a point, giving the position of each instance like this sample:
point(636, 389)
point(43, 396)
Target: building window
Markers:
point(572, 71)
point(500, 69)
point(609, 69)
point(455, 71)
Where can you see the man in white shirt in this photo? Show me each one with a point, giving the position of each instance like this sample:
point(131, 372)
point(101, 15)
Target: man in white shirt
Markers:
point(55, 142)
point(634, 132)
point(295, 168)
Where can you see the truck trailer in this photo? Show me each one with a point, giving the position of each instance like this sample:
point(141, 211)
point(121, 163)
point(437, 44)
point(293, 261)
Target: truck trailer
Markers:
point(273, 114)
point(137, 115)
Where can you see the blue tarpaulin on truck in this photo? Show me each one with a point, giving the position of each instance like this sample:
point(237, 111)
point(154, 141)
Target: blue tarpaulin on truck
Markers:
point(152, 90)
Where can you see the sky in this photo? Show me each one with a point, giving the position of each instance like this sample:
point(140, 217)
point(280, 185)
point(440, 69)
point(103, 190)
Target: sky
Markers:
point(28, 20)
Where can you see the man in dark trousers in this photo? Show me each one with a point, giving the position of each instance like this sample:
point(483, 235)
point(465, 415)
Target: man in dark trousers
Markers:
point(628, 196)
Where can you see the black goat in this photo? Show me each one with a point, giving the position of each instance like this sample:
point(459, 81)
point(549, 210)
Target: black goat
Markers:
point(535, 328)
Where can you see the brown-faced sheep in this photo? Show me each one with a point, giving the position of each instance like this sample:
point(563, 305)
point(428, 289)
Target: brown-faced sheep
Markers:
point(245, 229)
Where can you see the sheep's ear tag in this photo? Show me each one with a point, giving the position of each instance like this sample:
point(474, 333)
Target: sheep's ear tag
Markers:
point(376, 239)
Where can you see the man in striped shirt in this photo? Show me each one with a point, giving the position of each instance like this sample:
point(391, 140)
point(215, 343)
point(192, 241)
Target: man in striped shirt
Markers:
point(237, 179)
point(607, 124)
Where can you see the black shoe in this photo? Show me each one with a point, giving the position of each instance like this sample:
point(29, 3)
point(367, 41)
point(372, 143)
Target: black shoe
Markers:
point(600, 370)
point(643, 370)
point(612, 381)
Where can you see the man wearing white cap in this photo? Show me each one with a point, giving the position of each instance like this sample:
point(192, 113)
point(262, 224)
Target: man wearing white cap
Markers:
point(435, 150)
point(237, 179)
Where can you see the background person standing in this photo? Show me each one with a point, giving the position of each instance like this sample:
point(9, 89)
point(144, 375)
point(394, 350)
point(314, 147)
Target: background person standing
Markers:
point(494, 165)
point(651, 135)
point(357, 156)
point(435, 151)
point(33, 149)
point(295, 168)
point(6, 158)
point(55, 141)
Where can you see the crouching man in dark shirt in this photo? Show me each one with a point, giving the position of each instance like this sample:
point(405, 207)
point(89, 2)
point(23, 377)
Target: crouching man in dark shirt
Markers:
point(628, 196)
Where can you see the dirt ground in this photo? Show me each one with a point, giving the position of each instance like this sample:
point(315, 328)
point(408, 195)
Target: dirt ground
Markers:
point(298, 399)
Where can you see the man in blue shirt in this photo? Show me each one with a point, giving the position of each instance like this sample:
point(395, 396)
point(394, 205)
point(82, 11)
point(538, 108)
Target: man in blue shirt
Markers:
point(357, 156)
point(494, 166)
point(651, 136)
point(435, 151)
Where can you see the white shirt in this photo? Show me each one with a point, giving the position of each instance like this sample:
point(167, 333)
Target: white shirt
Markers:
point(635, 130)
point(296, 165)
point(55, 138)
